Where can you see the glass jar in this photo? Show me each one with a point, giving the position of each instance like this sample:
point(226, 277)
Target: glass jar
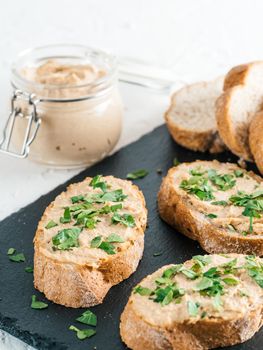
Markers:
point(66, 105)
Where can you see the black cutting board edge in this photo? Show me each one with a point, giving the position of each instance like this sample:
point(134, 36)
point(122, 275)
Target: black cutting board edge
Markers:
point(48, 329)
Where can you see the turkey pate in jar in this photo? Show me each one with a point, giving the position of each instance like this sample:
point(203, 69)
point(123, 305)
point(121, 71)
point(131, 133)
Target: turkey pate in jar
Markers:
point(76, 99)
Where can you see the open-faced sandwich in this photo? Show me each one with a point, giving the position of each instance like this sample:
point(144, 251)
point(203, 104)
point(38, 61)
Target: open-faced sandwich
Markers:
point(205, 303)
point(218, 204)
point(89, 239)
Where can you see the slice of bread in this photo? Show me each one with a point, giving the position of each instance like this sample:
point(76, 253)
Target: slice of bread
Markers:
point(205, 303)
point(191, 116)
point(256, 139)
point(89, 239)
point(217, 204)
point(235, 108)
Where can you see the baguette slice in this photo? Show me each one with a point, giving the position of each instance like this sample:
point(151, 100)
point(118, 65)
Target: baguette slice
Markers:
point(191, 312)
point(256, 139)
point(82, 275)
point(204, 212)
point(235, 108)
point(191, 116)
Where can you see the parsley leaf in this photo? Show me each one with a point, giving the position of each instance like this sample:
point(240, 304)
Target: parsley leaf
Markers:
point(192, 308)
point(38, 304)
point(125, 219)
point(97, 183)
point(29, 269)
point(142, 291)
point(51, 224)
point(95, 243)
point(211, 216)
point(106, 245)
point(11, 251)
point(77, 199)
point(223, 181)
point(66, 216)
point(114, 238)
point(88, 317)
point(239, 173)
point(198, 185)
point(66, 239)
point(17, 258)
point(83, 333)
point(224, 203)
point(138, 174)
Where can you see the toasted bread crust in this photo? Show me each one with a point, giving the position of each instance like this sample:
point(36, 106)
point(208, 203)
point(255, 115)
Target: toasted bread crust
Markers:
point(178, 212)
point(204, 334)
point(255, 139)
point(79, 285)
point(227, 130)
point(235, 138)
point(236, 76)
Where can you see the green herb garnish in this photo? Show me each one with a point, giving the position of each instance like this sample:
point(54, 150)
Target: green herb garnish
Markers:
point(239, 173)
point(11, 251)
point(223, 203)
point(211, 216)
point(106, 245)
point(88, 317)
point(66, 216)
point(96, 182)
point(142, 291)
point(198, 185)
point(114, 238)
point(51, 224)
point(77, 199)
point(222, 181)
point(39, 305)
point(124, 219)
point(192, 308)
point(83, 333)
point(29, 269)
point(138, 174)
point(17, 258)
point(66, 239)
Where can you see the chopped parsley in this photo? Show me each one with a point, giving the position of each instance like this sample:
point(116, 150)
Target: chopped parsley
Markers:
point(96, 182)
point(138, 174)
point(223, 203)
point(88, 317)
point(252, 203)
point(124, 219)
point(39, 305)
point(51, 224)
point(199, 186)
point(83, 333)
point(66, 239)
point(142, 291)
point(66, 216)
point(192, 308)
point(222, 181)
point(239, 173)
point(11, 251)
point(211, 216)
point(255, 270)
point(106, 245)
point(17, 258)
point(29, 269)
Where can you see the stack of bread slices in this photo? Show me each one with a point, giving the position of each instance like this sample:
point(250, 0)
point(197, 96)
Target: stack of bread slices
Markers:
point(224, 113)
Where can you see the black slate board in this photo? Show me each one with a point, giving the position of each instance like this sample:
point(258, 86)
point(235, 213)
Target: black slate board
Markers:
point(48, 329)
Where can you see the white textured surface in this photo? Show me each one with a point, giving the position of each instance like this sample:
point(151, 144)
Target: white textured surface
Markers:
point(196, 39)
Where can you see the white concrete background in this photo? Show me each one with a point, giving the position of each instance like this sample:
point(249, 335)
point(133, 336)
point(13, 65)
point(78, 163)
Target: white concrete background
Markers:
point(196, 39)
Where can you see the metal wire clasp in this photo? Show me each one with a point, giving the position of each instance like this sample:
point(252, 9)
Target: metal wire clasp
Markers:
point(33, 123)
